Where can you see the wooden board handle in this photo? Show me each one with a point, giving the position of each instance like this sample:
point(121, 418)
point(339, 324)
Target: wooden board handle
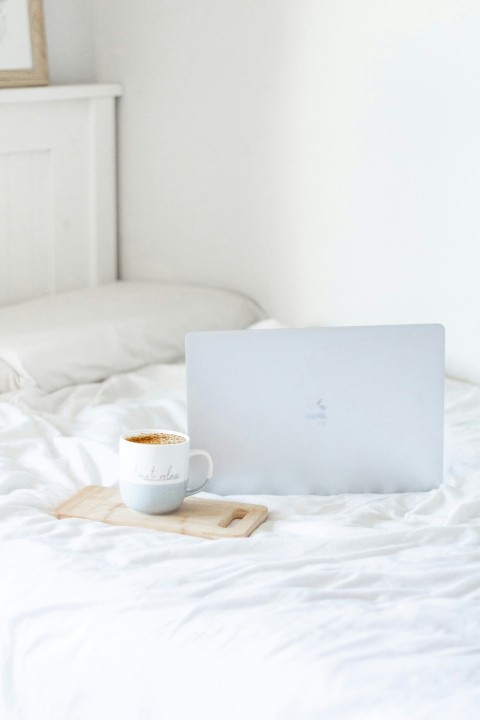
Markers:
point(250, 516)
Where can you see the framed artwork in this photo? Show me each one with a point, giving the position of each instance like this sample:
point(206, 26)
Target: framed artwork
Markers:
point(23, 52)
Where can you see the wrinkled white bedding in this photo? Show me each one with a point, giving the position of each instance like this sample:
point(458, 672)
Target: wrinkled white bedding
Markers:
point(343, 607)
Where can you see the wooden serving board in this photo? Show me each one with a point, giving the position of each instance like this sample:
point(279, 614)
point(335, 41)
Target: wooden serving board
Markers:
point(202, 518)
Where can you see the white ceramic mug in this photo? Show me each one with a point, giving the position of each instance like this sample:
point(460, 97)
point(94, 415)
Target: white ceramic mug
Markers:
point(153, 478)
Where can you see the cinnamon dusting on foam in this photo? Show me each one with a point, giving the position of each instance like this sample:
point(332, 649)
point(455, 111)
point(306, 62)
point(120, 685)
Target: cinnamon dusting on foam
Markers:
point(156, 438)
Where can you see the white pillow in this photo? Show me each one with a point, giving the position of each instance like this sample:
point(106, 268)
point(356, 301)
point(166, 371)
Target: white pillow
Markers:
point(8, 377)
point(88, 335)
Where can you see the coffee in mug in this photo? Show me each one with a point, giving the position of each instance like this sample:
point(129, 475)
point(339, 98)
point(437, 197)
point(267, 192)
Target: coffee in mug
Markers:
point(153, 470)
point(156, 438)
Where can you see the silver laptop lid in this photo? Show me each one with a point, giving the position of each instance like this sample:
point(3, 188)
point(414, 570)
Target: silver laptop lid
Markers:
point(319, 410)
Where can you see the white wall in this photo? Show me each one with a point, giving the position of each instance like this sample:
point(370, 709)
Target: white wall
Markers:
point(321, 155)
point(396, 112)
point(202, 139)
point(69, 33)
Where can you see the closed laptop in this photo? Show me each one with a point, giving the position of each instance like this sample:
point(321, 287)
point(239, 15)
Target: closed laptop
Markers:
point(319, 410)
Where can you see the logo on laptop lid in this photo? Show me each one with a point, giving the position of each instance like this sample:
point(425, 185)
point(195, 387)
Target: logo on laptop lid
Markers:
point(318, 414)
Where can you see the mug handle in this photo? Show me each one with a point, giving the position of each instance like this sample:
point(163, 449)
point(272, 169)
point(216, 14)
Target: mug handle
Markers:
point(209, 471)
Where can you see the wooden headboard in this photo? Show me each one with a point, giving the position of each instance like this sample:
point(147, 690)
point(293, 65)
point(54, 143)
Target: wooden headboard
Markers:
point(57, 189)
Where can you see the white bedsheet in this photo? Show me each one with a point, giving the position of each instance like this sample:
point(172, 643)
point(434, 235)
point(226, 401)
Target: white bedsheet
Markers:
point(337, 608)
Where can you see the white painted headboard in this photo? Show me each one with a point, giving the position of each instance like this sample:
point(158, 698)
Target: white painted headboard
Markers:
point(57, 189)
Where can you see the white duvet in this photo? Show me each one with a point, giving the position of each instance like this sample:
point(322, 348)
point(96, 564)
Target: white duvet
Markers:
point(345, 607)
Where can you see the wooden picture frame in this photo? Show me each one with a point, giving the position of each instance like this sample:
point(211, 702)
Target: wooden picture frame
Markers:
point(23, 51)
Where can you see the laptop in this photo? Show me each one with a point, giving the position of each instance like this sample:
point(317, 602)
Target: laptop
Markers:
point(319, 410)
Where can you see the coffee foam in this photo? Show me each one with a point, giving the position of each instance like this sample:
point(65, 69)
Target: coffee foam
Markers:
point(154, 438)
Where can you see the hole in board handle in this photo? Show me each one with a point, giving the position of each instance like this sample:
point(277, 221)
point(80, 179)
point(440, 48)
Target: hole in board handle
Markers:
point(236, 519)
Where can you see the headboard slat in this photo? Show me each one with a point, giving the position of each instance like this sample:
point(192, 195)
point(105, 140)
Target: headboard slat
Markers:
point(57, 191)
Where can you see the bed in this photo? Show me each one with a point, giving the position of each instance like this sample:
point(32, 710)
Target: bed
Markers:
point(360, 606)
point(348, 607)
